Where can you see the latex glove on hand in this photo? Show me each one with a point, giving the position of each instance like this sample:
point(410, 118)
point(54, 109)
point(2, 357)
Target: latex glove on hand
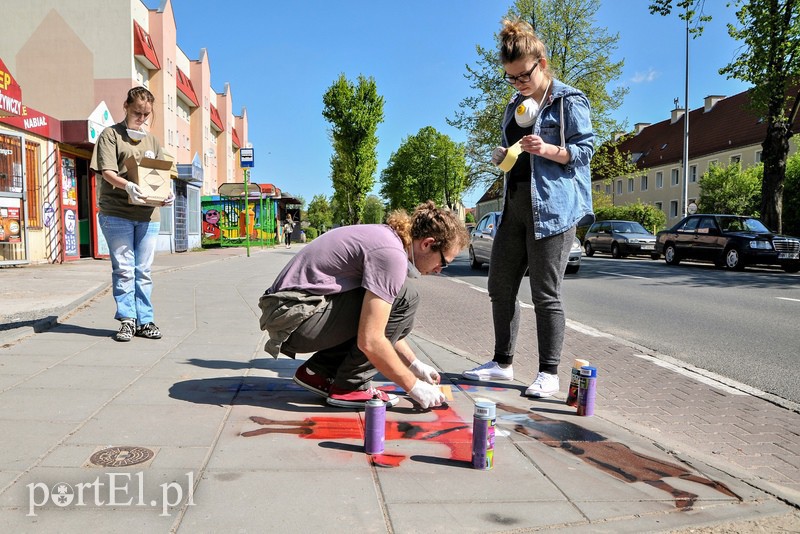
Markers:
point(135, 194)
point(498, 155)
point(169, 200)
point(426, 395)
point(425, 372)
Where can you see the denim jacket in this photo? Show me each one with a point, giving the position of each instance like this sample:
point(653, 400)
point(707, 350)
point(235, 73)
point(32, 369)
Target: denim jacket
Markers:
point(561, 195)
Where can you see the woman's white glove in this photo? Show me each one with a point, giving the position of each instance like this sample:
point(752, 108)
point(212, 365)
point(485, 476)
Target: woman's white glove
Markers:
point(498, 155)
point(169, 200)
point(135, 194)
point(426, 395)
point(425, 372)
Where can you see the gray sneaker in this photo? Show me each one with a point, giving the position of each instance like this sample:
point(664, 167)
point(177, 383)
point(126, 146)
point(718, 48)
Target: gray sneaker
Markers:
point(127, 329)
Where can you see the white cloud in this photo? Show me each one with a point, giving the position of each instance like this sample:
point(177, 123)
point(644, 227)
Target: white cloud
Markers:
point(645, 77)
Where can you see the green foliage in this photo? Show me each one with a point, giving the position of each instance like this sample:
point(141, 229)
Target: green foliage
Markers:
point(354, 112)
point(374, 211)
point(609, 162)
point(426, 166)
point(728, 189)
point(791, 196)
point(579, 55)
point(647, 215)
point(320, 214)
point(469, 217)
point(311, 233)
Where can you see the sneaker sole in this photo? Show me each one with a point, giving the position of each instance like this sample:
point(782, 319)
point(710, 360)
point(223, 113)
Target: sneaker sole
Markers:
point(356, 404)
point(478, 379)
point(537, 395)
point(310, 388)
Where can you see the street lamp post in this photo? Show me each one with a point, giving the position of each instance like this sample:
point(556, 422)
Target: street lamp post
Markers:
point(686, 123)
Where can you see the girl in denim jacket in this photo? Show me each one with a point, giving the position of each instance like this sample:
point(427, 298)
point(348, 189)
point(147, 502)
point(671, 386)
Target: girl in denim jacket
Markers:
point(547, 193)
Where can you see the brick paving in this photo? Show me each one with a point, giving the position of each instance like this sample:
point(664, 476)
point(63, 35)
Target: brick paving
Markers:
point(742, 434)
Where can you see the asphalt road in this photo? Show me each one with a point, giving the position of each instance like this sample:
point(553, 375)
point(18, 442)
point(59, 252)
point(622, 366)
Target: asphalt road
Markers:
point(741, 325)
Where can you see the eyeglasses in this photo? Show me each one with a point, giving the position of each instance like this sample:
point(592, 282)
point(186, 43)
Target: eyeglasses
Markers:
point(140, 115)
point(444, 262)
point(525, 77)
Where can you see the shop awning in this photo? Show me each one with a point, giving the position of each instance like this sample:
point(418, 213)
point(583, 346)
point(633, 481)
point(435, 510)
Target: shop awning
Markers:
point(235, 136)
point(143, 48)
point(185, 89)
point(237, 190)
point(216, 120)
point(10, 94)
point(191, 173)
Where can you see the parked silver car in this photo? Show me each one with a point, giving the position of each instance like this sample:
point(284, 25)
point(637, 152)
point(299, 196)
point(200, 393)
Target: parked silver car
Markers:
point(620, 238)
point(482, 239)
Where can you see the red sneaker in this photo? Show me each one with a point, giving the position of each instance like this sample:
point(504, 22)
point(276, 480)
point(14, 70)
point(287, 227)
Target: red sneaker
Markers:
point(359, 397)
point(313, 382)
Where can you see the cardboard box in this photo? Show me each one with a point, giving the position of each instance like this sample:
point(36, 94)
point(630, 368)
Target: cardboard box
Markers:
point(153, 178)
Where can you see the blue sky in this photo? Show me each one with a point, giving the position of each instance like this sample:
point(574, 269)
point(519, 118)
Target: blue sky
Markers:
point(281, 57)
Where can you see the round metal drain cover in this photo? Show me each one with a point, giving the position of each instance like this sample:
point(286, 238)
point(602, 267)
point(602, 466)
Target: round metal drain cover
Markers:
point(121, 456)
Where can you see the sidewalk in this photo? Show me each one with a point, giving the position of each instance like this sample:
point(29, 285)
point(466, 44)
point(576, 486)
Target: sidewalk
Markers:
point(202, 431)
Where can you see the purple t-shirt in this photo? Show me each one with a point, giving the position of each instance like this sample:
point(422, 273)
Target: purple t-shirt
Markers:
point(363, 255)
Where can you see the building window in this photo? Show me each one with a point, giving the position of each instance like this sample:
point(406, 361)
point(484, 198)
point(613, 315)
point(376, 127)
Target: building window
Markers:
point(675, 178)
point(643, 184)
point(659, 206)
point(33, 184)
point(736, 159)
point(713, 163)
point(596, 188)
point(630, 185)
point(193, 210)
point(659, 180)
point(693, 173)
point(758, 157)
point(608, 189)
point(673, 208)
point(619, 187)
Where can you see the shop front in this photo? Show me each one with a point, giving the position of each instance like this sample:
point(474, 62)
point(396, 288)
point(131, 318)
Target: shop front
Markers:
point(13, 234)
point(187, 205)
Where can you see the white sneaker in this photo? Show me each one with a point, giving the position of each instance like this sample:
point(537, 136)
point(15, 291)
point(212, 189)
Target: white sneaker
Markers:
point(489, 371)
point(545, 385)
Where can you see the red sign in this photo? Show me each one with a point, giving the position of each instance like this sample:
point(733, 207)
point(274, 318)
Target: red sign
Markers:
point(36, 122)
point(10, 93)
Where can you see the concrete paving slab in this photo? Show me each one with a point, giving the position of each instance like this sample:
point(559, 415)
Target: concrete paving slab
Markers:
point(67, 376)
point(272, 501)
point(29, 441)
point(52, 404)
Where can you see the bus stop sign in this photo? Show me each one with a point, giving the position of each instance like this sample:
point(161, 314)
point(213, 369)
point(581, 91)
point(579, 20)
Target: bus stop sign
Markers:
point(246, 157)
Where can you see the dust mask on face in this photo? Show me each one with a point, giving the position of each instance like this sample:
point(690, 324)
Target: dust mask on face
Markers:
point(528, 110)
point(136, 135)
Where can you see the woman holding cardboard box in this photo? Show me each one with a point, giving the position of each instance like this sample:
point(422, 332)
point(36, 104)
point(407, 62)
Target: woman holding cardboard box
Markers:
point(128, 219)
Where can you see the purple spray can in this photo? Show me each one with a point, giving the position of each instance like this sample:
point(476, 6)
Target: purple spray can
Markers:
point(483, 423)
point(574, 379)
point(374, 426)
point(587, 390)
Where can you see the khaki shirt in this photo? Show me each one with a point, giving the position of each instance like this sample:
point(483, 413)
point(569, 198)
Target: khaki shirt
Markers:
point(112, 149)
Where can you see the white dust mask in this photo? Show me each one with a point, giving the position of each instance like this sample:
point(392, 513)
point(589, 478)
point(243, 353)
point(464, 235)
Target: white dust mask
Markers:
point(136, 135)
point(528, 110)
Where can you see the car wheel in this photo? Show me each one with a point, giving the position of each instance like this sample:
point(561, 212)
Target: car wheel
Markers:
point(671, 255)
point(572, 270)
point(733, 259)
point(615, 251)
point(589, 250)
point(473, 261)
point(791, 268)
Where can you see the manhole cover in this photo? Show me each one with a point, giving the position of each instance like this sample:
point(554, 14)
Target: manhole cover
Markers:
point(121, 456)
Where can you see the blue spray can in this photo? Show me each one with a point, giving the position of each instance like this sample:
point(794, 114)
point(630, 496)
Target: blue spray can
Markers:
point(587, 390)
point(483, 423)
point(374, 426)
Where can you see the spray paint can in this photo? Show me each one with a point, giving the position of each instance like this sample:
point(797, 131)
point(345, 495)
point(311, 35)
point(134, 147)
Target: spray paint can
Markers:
point(374, 426)
point(575, 375)
point(587, 390)
point(483, 423)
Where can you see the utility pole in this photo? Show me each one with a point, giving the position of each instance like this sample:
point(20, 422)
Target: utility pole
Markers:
point(685, 199)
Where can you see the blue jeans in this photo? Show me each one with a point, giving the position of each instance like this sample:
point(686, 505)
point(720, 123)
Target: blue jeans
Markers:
point(132, 246)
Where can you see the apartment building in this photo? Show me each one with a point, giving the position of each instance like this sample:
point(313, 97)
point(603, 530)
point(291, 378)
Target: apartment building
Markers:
point(725, 130)
point(75, 61)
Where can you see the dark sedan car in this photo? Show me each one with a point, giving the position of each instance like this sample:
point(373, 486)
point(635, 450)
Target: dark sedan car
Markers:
point(730, 241)
point(620, 238)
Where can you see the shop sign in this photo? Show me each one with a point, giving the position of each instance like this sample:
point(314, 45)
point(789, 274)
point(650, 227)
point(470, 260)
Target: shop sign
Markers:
point(10, 93)
point(35, 122)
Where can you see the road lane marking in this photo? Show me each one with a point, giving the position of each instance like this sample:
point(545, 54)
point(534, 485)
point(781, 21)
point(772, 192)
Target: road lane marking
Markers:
point(625, 275)
point(787, 298)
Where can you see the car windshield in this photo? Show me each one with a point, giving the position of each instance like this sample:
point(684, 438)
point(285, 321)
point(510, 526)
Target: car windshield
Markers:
point(742, 224)
point(630, 228)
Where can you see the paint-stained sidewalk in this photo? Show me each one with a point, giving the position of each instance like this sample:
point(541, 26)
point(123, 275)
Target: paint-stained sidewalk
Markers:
point(202, 431)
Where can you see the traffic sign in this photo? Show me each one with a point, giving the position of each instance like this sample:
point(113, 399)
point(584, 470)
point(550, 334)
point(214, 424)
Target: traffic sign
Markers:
point(246, 157)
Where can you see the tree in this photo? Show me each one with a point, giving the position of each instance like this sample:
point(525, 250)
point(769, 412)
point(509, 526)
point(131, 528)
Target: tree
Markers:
point(579, 55)
point(320, 215)
point(791, 198)
point(373, 210)
point(770, 61)
point(426, 166)
point(354, 112)
point(728, 189)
